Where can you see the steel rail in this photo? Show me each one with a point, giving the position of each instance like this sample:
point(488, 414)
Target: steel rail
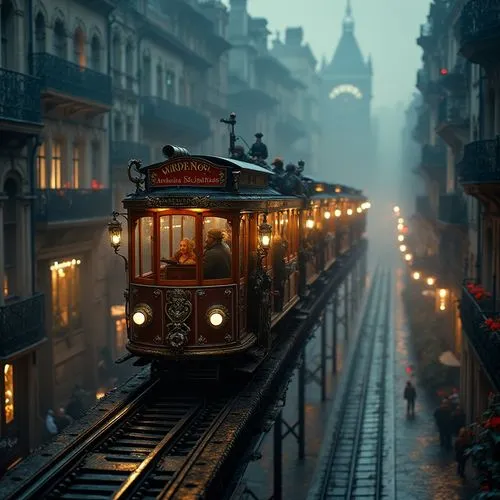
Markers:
point(366, 378)
point(369, 322)
point(75, 452)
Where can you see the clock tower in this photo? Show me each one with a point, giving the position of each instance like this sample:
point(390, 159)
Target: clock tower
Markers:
point(347, 148)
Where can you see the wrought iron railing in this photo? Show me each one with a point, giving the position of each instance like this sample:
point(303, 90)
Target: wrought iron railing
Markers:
point(423, 207)
point(433, 156)
point(70, 205)
point(20, 97)
point(479, 19)
point(481, 162)
point(22, 324)
point(123, 151)
point(452, 209)
point(71, 79)
point(485, 344)
point(182, 117)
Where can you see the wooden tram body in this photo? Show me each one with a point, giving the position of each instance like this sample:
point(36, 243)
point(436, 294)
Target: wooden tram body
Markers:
point(178, 311)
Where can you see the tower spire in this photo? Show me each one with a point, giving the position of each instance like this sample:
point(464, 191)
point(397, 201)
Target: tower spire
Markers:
point(348, 23)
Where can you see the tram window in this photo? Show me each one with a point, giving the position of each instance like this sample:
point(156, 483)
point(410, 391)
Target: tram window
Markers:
point(178, 247)
point(144, 247)
point(243, 243)
point(217, 235)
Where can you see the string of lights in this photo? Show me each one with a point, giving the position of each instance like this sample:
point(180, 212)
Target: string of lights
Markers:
point(429, 281)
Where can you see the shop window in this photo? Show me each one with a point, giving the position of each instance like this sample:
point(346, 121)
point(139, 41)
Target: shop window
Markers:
point(65, 283)
point(178, 253)
point(217, 234)
point(56, 165)
point(41, 168)
point(8, 381)
point(144, 248)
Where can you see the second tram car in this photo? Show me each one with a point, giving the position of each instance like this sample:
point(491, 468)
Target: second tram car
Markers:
point(219, 251)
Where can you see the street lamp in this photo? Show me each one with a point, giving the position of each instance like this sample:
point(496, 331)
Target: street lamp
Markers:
point(265, 233)
point(309, 221)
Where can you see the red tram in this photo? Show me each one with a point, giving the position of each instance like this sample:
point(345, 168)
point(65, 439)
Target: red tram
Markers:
point(217, 256)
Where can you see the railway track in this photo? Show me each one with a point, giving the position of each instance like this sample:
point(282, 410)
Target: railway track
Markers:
point(142, 452)
point(354, 465)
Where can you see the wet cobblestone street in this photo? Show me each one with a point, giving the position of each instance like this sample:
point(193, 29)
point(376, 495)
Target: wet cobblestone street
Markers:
point(423, 469)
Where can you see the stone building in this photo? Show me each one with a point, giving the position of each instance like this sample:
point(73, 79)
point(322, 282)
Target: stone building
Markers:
point(345, 102)
point(263, 91)
point(457, 225)
point(87, 85)
point(299, 59)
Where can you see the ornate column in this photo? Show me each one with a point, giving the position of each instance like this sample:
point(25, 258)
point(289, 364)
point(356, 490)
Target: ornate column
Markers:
point(3, 198)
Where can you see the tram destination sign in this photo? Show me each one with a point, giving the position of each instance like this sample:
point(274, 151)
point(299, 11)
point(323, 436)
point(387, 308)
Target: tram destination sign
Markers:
point(189, 172)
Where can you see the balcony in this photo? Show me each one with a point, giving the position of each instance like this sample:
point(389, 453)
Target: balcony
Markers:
point(423, 208)
point(123, 151)
point(290, 129)
point(72, 87)
point(430, 90)
point(452, 209)
point(20, 105)
point(426, 40)
point(73, 206)
point(433, 163)
point(480, 31)
point(453, 122)
point(173, 123)
point(487, 348)
point(22, 325)
point(479, 170)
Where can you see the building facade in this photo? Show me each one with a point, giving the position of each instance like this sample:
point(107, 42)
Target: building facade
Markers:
point(456, 221)
point(265, 92)
point(345, 101)
point(87, 86)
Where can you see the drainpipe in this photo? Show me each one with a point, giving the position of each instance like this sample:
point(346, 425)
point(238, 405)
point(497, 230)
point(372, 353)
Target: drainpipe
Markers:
point(479, 258)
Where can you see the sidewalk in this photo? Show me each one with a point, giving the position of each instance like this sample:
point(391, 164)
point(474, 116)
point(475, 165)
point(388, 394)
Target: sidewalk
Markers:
point(423, 469)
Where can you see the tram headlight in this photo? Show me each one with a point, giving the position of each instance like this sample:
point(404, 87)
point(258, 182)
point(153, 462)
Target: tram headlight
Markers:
point(431, 281)
point(142, 315)
point(408, 257)
point(402, 248)
point(327, 215)
point(217, 316)
point(359, 210)
point(401, 238)
point(338, 213)
point(349, 211)
point(416, 275)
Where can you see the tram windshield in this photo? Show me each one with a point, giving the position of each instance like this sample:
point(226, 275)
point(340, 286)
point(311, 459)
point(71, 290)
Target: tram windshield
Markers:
point(170, 245)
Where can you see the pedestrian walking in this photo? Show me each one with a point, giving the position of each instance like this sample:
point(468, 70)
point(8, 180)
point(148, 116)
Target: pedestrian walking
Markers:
point(442, 416)
point(50, 423)
point(462, 446)
point(457, 420)
point(410, 394)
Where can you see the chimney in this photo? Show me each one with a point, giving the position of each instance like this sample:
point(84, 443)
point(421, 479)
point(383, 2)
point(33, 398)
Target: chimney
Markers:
point(260, 33)
point(294, 37)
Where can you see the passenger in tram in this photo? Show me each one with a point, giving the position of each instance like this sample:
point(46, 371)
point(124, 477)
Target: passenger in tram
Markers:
point(278, 254)
point(185, 255)
point(217, 257)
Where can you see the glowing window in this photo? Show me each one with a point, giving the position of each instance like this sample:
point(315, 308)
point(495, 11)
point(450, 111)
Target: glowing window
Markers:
point(345, 89)
point(8, 380)
point(41, 168)
point(144, 247)
point(56, 165)
point(65, 288)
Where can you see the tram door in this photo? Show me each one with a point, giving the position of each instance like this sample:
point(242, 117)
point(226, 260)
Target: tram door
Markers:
point(243, 269)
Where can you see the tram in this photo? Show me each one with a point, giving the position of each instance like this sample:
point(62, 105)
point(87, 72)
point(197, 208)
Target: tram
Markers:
point(218, 254)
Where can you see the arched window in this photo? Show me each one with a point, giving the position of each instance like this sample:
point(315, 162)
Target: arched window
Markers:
point(159, 80)
point(40, 33)
point(59, 39)
point(117, 53)
point(79, 48)
point(10, 285)
point(7, 22)
point(95, 53)
point(146, 76)
point(118, 129)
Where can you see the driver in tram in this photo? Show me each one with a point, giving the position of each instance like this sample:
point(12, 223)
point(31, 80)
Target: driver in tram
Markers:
point(185, 255)
point(217, 258)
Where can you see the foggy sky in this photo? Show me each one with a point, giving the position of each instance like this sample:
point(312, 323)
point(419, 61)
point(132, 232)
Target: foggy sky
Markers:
point(385, 28)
